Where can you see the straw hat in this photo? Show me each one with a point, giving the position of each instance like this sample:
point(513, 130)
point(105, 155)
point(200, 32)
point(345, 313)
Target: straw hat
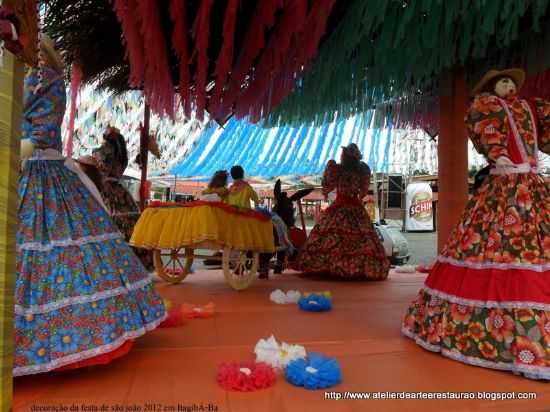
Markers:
point(352, 150)
point(50, 54)
point(517, 75)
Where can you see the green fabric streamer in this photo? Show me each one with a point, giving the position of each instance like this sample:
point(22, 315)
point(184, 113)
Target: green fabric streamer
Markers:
point(386, 50)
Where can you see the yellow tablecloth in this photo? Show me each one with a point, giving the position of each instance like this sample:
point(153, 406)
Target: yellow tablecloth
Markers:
point(172, 228)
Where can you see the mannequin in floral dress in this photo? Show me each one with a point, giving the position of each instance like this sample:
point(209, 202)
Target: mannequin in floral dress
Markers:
point(81, 295)
point(344, 242)
point(486, 302)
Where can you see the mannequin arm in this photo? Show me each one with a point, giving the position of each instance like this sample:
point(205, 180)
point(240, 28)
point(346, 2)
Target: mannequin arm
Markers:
point(487, 127)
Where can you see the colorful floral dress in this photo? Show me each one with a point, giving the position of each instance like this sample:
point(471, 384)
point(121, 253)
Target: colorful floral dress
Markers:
point(344, 242)
point(81, 295)
point(486, 302)
point(124, 210)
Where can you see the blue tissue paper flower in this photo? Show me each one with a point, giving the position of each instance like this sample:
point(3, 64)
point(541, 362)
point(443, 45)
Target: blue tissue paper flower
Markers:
point(315, 372)
point(315, 303)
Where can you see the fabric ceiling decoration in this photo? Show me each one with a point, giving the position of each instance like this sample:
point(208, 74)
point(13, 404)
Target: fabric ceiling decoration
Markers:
point(393, 52)
point(99, 109)
point(232, 57)
point(285, 151)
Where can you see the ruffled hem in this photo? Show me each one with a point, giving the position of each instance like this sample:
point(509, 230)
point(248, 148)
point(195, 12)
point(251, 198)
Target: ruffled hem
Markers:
point(76, 300)
point(103, 359)
point(513, 288)
point(47, 247)
point(92, 353)
point(494, 265)
point(531, 372)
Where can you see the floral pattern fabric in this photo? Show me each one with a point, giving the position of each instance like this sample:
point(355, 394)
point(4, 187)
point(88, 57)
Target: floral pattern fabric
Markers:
point(43, 109)
point(344, 242)
point(486, 302)
point(80, 292)
point(124, 210)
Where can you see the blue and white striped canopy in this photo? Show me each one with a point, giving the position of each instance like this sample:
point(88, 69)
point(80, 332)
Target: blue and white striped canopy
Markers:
point(285, 151)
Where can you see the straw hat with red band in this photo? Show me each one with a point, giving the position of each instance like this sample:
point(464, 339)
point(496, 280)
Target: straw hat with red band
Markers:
point(353, 151)
point(517, 75)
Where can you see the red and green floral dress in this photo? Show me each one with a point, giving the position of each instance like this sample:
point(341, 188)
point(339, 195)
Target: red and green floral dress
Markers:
point(486, 302)
point(344, 242)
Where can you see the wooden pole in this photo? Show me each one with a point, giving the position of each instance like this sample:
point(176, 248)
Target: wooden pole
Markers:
point(452, 151)
point(11, 97)
point(144, 155)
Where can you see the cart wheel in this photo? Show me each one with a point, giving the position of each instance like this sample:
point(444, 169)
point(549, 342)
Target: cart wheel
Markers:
point(240, 267)
point(178, 264)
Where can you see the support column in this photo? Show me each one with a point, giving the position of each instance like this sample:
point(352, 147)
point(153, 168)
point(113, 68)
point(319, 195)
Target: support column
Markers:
point(11, 97)
point(452, 150)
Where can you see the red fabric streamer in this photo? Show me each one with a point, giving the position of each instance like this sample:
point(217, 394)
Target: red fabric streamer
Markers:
point(126, 13)
point(290, 26)
point(225, 58)
point(76, 80)
point(157, 86)
point(201, 30)
point(538, 86)
point(245, 376)
point(303, 50)
point(179, 43)
point(254, 42)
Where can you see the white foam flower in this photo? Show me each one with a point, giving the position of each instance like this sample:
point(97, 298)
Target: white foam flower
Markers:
point(277, 355)
point(280, 297)
point(405, 269)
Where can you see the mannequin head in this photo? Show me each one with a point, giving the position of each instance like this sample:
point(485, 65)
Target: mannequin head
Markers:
point(504, 87)
point(503, 83)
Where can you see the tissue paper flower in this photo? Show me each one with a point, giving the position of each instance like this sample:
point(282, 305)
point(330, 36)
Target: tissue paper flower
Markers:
point(315, 372)
point(405, 269)
point(315, 303)
point(246, 376)
point(280, 297)
point(277, 355)
point(190, 311)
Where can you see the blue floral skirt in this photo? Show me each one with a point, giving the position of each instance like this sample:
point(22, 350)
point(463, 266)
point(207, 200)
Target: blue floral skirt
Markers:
point(80, 290)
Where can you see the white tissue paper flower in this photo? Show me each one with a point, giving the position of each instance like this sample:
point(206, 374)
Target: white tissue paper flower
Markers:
point(405, 269)
point(277, 355)
point(280, 297)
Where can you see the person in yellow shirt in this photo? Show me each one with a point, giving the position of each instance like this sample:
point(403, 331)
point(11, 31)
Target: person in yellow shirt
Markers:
point(240, 192)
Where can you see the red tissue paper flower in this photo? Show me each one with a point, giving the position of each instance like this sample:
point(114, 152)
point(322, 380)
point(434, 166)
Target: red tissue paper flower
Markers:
point(245, 376)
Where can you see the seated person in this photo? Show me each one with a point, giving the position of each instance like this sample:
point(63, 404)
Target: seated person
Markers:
point(216, 190)
point(240, 192)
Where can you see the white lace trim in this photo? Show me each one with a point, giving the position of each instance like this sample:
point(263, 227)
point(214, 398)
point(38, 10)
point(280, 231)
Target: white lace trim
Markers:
point(493, 265)
point(77, 357)
point(512, 304)
point(37, 246)
point(516, 169)
point(531, 372)
point(78, 300)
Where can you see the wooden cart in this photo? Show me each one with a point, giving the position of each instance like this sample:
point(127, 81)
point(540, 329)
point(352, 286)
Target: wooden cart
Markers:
point(176, 232)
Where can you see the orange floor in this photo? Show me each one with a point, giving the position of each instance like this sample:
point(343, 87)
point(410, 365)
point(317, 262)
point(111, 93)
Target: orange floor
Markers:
point(174, 369)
